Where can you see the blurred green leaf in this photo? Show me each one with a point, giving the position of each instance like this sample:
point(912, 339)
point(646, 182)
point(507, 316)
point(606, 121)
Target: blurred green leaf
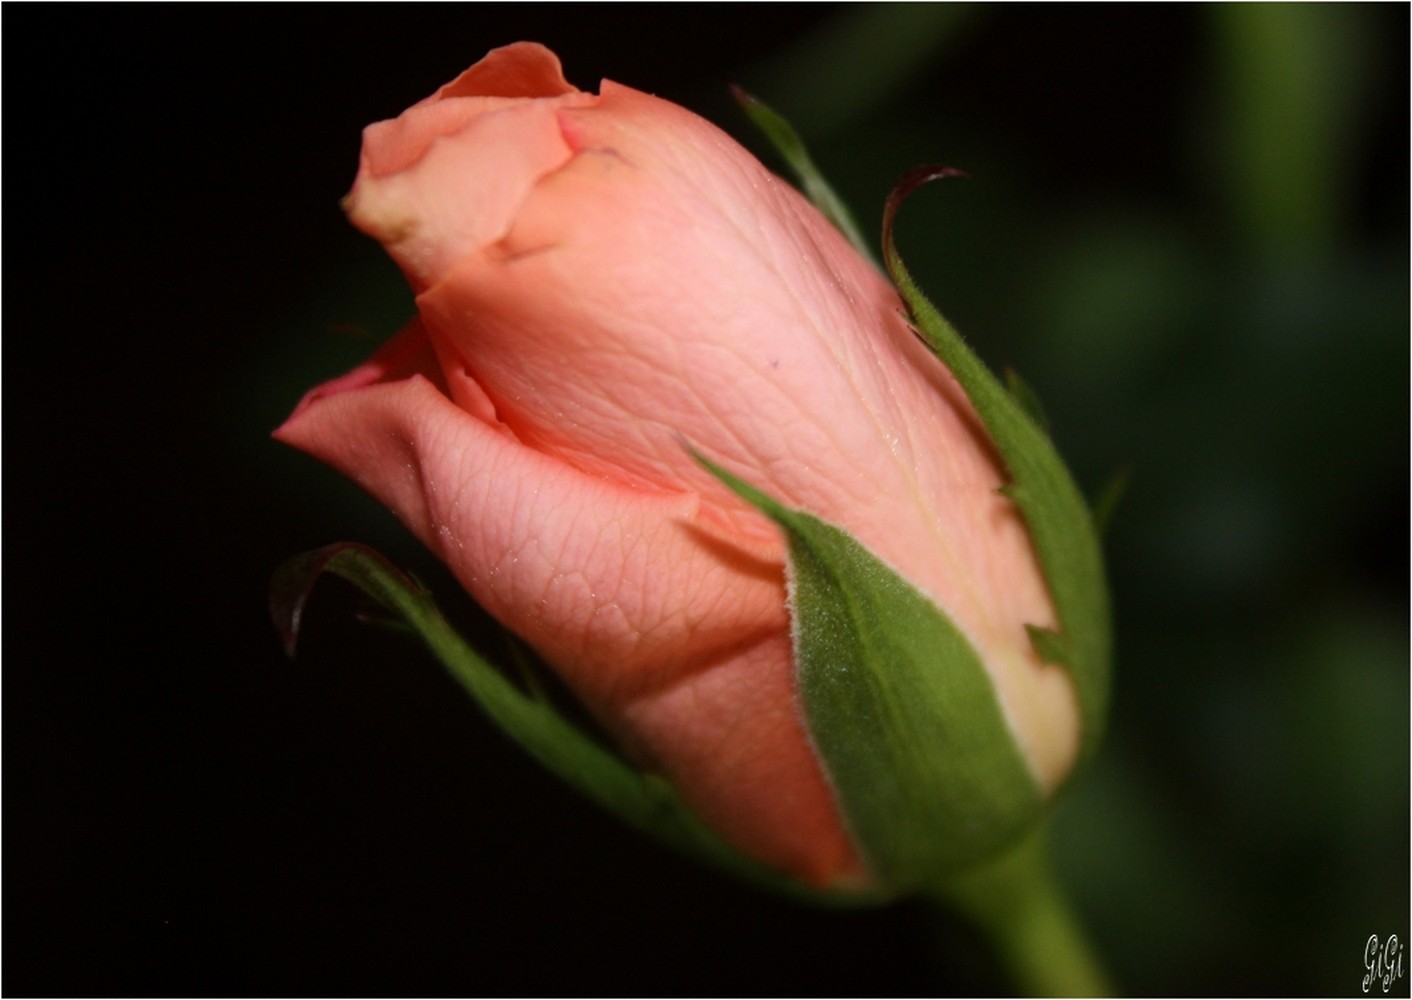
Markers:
point(1293, 79)
point(858, 59)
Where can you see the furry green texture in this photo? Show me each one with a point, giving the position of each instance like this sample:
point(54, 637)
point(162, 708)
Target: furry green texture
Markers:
point(900, 708)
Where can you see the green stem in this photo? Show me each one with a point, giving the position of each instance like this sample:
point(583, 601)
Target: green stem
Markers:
point(1017, 904)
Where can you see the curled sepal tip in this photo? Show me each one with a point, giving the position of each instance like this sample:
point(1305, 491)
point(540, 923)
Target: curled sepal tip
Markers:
point(294, 581)
point(904, 187)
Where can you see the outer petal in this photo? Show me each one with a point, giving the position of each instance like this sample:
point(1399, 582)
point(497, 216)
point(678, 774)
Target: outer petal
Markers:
point(446, 177)
point(678, 642)
point(463, 189)
point(524, 69)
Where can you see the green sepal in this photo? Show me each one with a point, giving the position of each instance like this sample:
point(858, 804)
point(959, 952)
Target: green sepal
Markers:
point(645, 801)
point(1060, 525)
point(1108, 499)
point(1050, 646)
point(1027, 398)
point(900, 708)
point(816, 188)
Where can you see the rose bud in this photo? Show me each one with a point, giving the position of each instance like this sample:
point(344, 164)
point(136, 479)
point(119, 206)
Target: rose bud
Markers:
point(664, 422)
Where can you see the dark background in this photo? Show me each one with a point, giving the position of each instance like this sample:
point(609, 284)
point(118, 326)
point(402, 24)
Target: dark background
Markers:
point(1188, 227)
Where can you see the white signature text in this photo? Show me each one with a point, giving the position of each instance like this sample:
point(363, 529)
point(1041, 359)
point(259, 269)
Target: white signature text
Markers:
point(1383, 960)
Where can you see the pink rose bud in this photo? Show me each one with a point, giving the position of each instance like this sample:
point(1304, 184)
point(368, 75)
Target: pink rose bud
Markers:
point(606, 284)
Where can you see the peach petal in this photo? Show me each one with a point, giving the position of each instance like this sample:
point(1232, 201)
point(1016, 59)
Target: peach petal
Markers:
point(677, 643)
